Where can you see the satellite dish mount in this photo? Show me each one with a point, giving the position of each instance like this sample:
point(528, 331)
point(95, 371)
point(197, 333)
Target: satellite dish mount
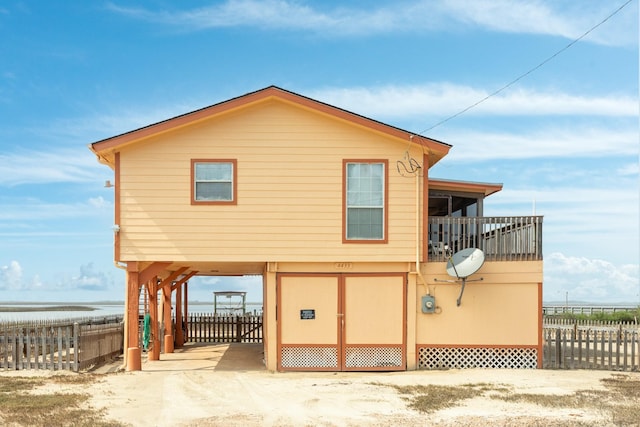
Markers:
point(463, 264)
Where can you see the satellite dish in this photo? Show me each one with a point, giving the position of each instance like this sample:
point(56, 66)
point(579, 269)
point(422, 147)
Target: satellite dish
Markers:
point(463, 264)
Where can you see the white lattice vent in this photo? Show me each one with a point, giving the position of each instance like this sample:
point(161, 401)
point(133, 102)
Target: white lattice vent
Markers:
point(461, 358)
point(373, 357)
point(309, 357)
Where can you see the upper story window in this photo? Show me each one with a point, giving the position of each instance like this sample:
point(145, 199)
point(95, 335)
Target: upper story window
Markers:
point(365, 201)
point(213, 181)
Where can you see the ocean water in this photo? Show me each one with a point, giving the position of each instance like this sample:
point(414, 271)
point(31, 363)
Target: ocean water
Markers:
point(99, 310)
point(21, 316)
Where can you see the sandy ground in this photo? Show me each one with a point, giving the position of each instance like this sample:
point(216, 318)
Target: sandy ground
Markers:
point(222, 385)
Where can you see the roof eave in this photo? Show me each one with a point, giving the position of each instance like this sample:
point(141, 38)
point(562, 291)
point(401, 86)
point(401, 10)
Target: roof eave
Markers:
point(436, 149)
point(469, 186)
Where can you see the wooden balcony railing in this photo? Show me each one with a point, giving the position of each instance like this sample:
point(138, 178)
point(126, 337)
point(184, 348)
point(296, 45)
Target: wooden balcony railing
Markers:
point(513, 238)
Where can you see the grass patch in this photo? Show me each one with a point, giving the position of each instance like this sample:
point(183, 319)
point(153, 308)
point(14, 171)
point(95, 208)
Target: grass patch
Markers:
point(432, 398)
point(580, 399)
point(624, 385)
point(625, 407)
point(621, 399)
point(19, 385)
point(19, 407)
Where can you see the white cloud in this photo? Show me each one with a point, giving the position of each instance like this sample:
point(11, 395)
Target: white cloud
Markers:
point(265, 14)
point(590, 280)
point(565, 19)
point(100, 202)
point(114, 121)
point(599, 223)
point(629, 169)
point(599, 210)
point(12, 278)
point(444, 99)
point(209, 284)
point(576, 142)
point(539, 17)
point(89, 279)
point(45, 167)
point(32, 209)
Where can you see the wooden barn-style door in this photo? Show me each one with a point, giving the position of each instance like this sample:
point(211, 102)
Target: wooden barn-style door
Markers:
point(342, 322)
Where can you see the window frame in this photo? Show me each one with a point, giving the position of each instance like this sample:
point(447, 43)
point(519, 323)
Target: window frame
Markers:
point(234, 182)
point(385, 203)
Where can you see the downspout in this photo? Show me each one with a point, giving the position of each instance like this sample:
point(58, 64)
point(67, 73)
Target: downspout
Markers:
point(418, 232)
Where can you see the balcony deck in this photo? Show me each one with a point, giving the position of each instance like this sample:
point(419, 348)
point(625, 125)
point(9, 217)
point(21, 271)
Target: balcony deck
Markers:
point(516, 238)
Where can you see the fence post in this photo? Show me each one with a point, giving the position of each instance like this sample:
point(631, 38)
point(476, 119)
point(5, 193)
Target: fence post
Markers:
point(59, 343)
point(238, 329)
point(21, 349)
point(625, 354)
point(558, 350)
point(76, 347)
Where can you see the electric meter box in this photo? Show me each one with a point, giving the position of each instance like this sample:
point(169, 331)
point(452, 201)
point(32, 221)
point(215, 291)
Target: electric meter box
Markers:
point(428, 304)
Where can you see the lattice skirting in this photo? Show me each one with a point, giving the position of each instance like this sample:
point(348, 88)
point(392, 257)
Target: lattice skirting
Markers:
point(309, 357)
point(374, 357)
point(471, 357)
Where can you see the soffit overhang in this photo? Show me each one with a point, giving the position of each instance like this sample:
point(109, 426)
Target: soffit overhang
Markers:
point(464, 186)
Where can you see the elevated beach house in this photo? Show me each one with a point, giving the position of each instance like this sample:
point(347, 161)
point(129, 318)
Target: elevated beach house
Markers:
point(355, 243)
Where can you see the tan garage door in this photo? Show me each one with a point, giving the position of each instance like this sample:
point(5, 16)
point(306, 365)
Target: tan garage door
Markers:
point(341, 322)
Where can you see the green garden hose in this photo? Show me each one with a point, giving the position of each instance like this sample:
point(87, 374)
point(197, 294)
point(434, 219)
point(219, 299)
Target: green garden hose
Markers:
point(146, 331)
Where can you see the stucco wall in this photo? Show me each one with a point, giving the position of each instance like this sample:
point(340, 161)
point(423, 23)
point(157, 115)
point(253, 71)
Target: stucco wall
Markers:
point(501, 310)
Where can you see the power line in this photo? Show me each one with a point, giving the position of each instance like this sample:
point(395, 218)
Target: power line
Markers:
point(511, 83)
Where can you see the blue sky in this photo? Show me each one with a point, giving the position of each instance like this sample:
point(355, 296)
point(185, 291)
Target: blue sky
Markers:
point(564, 139)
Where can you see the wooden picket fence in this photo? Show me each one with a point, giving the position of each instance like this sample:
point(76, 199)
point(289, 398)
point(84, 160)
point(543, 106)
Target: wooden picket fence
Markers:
point(591, 347)
point(585, 323)
point(552, 310)
point(57, 346)
point(204, 327)
point(78, 346)
point(99, 343)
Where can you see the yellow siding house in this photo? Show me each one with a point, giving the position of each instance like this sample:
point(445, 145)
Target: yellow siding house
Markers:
point(338, 215)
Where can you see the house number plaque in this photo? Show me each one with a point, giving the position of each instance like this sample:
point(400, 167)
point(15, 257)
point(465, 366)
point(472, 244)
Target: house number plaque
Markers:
point(343, 265)
point(307, 314)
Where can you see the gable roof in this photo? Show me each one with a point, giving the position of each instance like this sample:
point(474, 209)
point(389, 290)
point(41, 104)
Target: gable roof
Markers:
point(106, 148)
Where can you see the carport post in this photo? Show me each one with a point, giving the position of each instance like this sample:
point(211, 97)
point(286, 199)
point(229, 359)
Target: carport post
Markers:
point(179, 334)
point(166, 303)
point(186, 310)
point(133, 354)
point(154, 354)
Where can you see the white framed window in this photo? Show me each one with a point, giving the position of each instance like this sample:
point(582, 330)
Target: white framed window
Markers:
point(214, 181)
point(365, 201)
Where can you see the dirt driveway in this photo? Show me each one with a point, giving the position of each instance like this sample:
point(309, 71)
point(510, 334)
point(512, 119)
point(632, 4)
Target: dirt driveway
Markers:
point(211, 385)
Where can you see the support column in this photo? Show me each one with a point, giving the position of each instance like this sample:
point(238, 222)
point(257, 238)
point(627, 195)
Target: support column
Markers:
point(154, 354)
point(186, 310)
point(269, 321)
point(166, 308)
point(134, 356)
point(179, 333)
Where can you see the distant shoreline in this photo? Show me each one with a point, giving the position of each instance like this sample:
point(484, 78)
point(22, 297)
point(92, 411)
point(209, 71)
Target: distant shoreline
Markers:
point(26, 309)
point(92, 303)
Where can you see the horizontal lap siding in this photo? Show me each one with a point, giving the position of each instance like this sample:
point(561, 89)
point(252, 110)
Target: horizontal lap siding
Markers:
point(289, 191)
